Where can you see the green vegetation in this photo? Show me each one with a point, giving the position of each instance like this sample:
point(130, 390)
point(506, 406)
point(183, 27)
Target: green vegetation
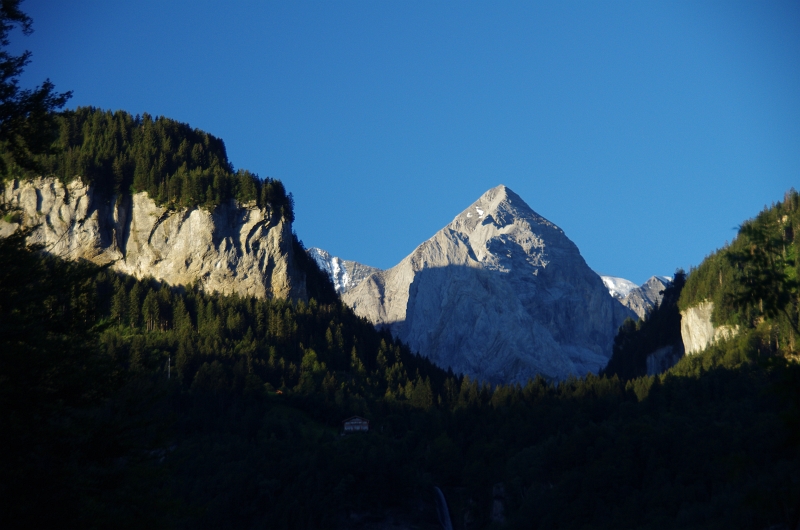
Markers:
point(225, 412)
point(78, 430)
point(27, 126)
point(756, 276)
point(636, 340)
point(179, 167)
point(228, 343)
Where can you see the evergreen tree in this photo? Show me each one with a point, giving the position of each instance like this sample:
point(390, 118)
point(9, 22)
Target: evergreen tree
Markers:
point(27, 125)
point(119, 303)
point(765, 269)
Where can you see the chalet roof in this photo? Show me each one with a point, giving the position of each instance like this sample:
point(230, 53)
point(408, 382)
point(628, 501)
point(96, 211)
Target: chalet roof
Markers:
point(351, 418)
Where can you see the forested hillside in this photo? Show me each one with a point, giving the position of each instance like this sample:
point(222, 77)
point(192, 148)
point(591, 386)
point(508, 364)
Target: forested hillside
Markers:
point(756, 276)
point(133, 403)
point(176, 165)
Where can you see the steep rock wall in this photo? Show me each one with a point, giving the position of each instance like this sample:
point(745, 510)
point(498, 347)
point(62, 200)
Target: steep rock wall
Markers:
point(233, 249)
point(697, 330)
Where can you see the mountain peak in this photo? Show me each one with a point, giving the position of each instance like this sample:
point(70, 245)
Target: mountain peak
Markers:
point(618, 287)
point(499, 207)
point(497, 195)
point(500, 294)
point(639, 299)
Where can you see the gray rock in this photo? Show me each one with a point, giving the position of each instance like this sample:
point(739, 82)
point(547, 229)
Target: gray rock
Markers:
point(640, 299)
point(500, 294)
point(697, 330)
point(644, 298)
point(345, 274)
point(233, 249)
point(663, 359)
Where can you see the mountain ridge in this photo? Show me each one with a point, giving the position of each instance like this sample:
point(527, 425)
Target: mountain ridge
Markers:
point(345, 274)
point(640, 299)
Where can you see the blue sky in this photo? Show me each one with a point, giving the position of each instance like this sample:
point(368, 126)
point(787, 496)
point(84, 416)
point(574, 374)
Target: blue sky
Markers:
point(646, 130)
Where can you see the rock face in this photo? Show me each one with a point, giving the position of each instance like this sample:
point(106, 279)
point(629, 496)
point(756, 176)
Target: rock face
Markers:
point(698, 332)
point(618, 287)
point(234, 249)
point(645, 297)
point(663, 359)
point(344, 274)
point(500, 294)
point(639, 299)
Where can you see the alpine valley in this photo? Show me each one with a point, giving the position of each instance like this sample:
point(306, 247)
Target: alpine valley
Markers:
point(171, 356)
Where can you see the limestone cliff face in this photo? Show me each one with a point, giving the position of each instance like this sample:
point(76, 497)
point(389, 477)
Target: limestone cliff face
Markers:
point(500, 294)
point(698, 332)
point(234, 249)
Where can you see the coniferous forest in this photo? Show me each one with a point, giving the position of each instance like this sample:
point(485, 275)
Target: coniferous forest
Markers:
point(127, 402)
point(178, 167)
point(130, 403)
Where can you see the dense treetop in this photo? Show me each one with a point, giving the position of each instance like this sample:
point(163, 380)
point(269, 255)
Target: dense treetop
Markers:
point(755, 276)
point(178, 166)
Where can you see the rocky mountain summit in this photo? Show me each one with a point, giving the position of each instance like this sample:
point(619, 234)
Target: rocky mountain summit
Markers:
point(499, 294)
point(233, 248)
point(645, 297)
point(618, 287)
point(639, 299)
point(344, 274)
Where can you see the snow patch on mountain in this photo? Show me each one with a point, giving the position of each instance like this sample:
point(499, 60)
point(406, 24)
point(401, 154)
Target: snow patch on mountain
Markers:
point(344, 274)
point(618, 287)
point(638, 298)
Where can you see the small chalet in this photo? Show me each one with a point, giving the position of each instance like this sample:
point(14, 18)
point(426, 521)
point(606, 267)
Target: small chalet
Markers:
point(355, 424)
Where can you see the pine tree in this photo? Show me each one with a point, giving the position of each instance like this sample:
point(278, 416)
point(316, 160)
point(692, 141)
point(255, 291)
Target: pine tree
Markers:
point(27, 123)
point(764, 265)
point(119, 303)
point(134, 305)
point(150, 310)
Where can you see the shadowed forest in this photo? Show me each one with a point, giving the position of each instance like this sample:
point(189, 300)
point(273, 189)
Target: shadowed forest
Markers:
point(130, 403)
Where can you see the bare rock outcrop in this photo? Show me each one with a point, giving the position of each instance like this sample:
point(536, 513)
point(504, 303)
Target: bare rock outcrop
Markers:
point(663, 359)
point(645, 297)
point(640, 299)
point(697, 330)
point(345, 274)
point(233, 249)
point(499, 294)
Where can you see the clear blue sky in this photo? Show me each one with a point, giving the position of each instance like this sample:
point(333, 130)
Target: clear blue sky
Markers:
point(646, 130)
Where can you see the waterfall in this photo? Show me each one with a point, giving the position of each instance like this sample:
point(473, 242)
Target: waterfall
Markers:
point(442, 511)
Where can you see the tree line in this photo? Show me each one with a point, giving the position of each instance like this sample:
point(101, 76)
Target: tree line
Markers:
point(118, 154)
